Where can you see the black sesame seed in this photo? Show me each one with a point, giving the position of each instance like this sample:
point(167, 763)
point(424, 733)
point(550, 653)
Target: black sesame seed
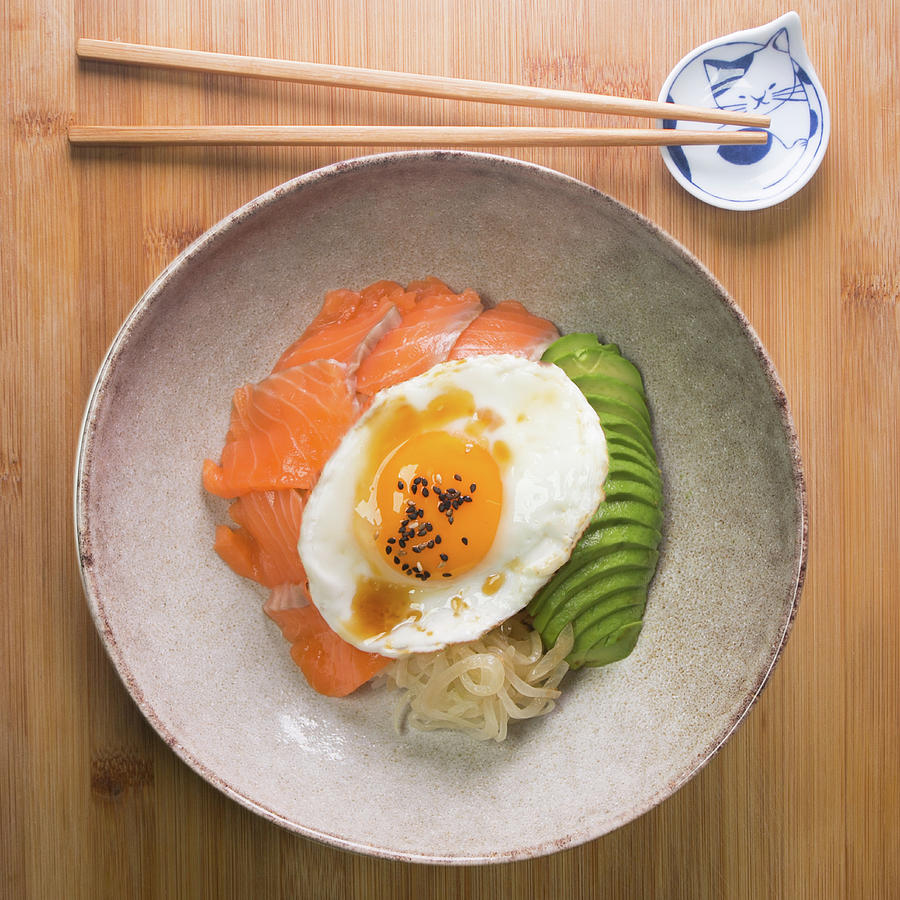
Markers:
point(392, 540)
point(415, 488)
point(448, 574)
point(396, 560)
point(387, 550)
point(401, 543)
point(472, 488)
point(465, 541)
point(457, 477)
point(405, 567)
point(428, 526)
point(437, 538)
point(450, 519)
point(417, 549)
point(467, 499)
point(403, 524)
point(425, 492)
point(444, 557)
point(400, 486)
point(430, 544)
point(422, 531)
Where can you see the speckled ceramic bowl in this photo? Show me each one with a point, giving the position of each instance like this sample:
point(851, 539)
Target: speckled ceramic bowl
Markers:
point(213, 675)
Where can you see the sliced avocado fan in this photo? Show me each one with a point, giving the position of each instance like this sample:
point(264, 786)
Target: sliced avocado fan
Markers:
point(602, 588)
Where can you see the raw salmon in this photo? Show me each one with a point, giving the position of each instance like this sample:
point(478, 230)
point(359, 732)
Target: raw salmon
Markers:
point(421, 289)
point(283, 429)
point(347, 327)
point(264, 546)
point(425, 336)
point(286, 596)
point(331, 665)
point(506, 328)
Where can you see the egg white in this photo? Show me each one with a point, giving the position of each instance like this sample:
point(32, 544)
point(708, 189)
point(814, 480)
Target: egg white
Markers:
point(552, 484)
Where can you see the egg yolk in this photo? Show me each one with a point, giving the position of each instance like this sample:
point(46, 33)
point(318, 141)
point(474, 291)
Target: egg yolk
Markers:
point(439, 497)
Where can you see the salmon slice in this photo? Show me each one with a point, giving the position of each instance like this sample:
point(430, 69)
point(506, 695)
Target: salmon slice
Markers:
point(283, 429)
point(264, 547)
point(286, 596)
point(347, 327)
point(506, 328)
point(425, 336)
point(331, 665)
point(421, 289)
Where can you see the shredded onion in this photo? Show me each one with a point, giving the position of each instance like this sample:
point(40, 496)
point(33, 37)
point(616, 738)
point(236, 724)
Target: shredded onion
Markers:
point(479, 686)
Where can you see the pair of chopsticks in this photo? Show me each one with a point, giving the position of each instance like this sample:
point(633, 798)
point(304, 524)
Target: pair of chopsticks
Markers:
point(402, 83)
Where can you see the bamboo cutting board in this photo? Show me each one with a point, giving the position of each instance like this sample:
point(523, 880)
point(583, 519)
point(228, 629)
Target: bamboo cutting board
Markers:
point(804, 801)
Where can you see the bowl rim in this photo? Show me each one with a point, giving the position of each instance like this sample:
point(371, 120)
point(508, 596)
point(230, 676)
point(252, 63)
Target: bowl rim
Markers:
point(218, 232)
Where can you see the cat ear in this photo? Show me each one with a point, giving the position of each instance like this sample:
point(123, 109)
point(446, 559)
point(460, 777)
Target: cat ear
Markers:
point(713, 68)
point(780, 41)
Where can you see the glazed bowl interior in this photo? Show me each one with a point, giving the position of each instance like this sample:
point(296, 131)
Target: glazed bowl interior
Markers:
point(213, 675)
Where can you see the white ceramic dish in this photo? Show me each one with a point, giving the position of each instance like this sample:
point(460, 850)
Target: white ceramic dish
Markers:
point(763, 70)
point(213, 675)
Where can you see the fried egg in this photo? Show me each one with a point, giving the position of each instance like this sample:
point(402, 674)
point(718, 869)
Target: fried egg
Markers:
point(450, 502)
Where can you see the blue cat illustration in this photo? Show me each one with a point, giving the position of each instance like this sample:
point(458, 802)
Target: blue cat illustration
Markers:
point(766, 81)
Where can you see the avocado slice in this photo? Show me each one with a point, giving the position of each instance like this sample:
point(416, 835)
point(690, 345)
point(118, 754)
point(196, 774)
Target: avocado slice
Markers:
point(622, 450)
point(621, 444)
point(595, 592)
point(586, 358)
point(613, 648)
point(591, 617)
point(626, 429)
point(568, 580)
point(624, 488)
point(602, 387)
point(566, 599)
point(614, 512)
point(569, 344)
point(607, 406)
point(624, 467)
point(603, 539)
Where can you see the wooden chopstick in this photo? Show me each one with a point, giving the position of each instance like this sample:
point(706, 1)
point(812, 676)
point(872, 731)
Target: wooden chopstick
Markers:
point(401, 82)
point(405, 136)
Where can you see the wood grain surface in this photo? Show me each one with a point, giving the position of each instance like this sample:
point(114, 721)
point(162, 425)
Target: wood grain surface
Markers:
point(804, 801)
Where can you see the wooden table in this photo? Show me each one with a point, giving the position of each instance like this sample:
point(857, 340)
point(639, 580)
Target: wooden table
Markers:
point(804, 801)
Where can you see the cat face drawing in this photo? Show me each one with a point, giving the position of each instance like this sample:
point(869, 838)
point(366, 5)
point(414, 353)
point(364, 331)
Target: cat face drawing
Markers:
point(751, 72)
point(758, 82)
